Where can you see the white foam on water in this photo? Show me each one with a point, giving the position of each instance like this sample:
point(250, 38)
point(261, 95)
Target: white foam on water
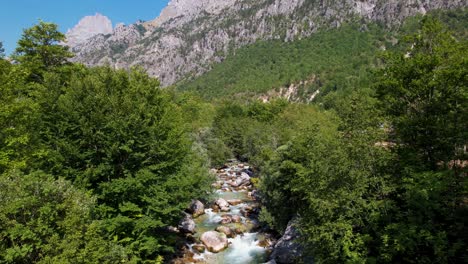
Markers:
point(236, 209)
point(202, 256)
point(212, 217)
point(243, 249)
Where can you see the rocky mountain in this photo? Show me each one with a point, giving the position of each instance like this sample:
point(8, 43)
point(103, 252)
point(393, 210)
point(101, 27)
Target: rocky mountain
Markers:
point(88, 27)
point(189, 36)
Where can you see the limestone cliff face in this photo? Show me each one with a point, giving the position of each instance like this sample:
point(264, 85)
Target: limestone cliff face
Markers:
point(189, 35)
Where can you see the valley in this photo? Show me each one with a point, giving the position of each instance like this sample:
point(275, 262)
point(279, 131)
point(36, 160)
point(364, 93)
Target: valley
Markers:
point(238, 131)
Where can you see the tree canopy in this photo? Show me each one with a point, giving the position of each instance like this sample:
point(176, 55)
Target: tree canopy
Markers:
point(40, 48)
point(97, 163)
point(100, 157)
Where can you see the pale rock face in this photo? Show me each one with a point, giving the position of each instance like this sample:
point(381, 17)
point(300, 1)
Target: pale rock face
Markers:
point(88, 27)
point(186, 10)
point(191, 35)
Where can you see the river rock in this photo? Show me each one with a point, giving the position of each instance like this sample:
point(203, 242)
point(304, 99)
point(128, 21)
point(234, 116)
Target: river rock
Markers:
point(236, 219)
point(214, 241)
point(243, 179)
point(255, 195)
point(226, 230)
point(196, 208)
point(240, 228)
point(234, 183)
point(266, 240)
point(198, 248)
point(247, 211)
point(187, 225)
point(226, 189)
point(225, 219)
point(234, 201)
point(172, 229)
point(287, 249)
point(222, 204)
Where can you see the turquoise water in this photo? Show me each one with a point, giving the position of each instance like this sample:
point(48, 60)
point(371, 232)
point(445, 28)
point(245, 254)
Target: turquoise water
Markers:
point(243, 249)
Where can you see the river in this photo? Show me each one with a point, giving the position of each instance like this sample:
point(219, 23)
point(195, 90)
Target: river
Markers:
point(246, 245)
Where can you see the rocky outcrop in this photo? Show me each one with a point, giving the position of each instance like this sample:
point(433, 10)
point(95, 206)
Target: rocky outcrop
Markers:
point(287, 249)
point(189, 36)
point(214, 241)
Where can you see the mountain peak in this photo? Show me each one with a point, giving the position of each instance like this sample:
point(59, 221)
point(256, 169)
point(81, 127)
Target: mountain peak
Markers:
point(190, 36)
point(88, 27)
point(188, 9)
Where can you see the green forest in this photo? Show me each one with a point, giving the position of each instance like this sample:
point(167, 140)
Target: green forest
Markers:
point(97, 163)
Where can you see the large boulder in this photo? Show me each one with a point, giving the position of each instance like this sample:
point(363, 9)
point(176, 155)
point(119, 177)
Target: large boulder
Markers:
point(288, 250)
point(187, 225)
point(243, 180)
point(196, 208)
point(214, 241)
point(222, 204)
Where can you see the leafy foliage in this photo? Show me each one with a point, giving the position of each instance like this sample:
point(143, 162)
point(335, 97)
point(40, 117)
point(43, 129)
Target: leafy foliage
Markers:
point(118, 141)
point(424, 90)
point(96, 163)
point(425, 93)
point(377, 175)
point(39, 48)
point(45, 220)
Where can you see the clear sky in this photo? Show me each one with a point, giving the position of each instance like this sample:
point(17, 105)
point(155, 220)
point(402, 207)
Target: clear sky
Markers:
point(16, 15)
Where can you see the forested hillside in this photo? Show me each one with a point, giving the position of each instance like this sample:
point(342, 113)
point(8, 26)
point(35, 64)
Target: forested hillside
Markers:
point(330, 60)
point(98, 165)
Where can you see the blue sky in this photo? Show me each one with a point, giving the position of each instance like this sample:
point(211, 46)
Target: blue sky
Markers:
point(16, 15)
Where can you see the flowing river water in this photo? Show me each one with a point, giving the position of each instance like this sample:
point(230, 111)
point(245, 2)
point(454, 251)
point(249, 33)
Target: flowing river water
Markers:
point(247, 244)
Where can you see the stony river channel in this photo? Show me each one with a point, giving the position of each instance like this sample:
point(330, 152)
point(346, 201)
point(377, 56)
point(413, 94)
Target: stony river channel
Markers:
point(226, 229)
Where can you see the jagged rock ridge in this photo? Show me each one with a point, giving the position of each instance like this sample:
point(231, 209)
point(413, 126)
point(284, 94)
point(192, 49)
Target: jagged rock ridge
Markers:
point(190, 35)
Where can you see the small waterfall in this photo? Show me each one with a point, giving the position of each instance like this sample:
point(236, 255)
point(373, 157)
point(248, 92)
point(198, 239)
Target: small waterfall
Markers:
point(212, 217)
